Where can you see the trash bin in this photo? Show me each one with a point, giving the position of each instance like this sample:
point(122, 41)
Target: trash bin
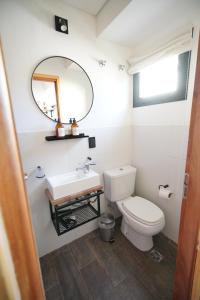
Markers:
point(107, 227)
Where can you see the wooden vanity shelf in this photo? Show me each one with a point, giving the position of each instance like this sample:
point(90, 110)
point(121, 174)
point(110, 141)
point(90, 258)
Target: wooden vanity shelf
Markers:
point(66, 137)
point(74, 210)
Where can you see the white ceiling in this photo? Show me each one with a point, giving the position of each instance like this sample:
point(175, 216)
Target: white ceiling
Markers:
point(140, 24)
point(89, 6)
point(143, 23)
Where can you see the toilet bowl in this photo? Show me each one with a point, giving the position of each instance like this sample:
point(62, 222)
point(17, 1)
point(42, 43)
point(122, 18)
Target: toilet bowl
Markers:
point(141, 218)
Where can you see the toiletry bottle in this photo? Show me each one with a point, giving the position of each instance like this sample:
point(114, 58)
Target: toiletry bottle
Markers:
point(60, 130)
point(74, 127)
point(69, 127)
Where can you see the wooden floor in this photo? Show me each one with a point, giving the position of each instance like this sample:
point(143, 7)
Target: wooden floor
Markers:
point(89, 268)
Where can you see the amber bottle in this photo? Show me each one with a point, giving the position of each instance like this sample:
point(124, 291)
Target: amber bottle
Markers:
point(60, 129)
point(74, 127)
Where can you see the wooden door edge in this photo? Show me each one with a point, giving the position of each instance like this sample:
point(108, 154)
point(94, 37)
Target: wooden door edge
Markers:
point(13, 201)
point(9, 288)
point(195, 289)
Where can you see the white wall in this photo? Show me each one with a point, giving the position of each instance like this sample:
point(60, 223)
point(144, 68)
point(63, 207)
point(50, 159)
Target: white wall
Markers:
point(153, 138)
point(160, 136)
point(28, 37)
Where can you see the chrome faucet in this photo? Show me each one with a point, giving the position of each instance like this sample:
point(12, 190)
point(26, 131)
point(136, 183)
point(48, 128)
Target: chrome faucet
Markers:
point(86, 165)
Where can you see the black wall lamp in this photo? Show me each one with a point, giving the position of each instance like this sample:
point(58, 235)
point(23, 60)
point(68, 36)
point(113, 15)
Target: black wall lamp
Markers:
point(61, 25)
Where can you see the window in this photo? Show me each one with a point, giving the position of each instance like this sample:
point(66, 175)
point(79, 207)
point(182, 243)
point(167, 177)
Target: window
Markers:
point(162, 82)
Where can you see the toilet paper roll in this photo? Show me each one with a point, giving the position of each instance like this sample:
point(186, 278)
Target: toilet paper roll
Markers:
point(164, 193)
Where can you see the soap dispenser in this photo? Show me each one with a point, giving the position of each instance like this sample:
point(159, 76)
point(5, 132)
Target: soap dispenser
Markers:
point(69, 127)
point(74, 127)
point(60, 130)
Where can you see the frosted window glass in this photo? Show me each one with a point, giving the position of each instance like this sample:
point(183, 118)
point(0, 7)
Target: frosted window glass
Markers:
point(159, 78)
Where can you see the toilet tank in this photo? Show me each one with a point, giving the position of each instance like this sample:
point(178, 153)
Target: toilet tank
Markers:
point(119, 183)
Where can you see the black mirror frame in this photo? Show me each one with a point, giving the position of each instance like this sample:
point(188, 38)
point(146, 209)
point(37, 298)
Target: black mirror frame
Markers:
point(83, 71)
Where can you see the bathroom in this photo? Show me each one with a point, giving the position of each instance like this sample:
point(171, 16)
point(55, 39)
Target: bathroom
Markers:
point(110, 41)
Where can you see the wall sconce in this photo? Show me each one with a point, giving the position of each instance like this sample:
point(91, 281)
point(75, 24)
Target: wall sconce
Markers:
point(121, 67)
point(61, 25)
point(102, 62)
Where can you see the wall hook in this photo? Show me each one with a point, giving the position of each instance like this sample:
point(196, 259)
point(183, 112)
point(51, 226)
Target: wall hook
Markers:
point(102, 62)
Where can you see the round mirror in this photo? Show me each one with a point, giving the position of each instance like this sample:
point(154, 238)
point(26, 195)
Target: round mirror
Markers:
point(62, 89)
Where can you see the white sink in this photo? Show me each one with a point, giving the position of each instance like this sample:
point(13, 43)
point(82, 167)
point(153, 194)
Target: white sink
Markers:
point(70, 183)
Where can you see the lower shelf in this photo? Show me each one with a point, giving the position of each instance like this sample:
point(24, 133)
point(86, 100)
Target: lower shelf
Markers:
point(79, 217)
point(76, 212)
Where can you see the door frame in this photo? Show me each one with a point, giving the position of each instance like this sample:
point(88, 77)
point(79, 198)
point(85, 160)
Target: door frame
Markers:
point(14, 209)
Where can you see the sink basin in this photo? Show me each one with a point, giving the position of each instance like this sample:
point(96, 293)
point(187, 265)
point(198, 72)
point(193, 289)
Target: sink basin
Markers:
point(70, 183)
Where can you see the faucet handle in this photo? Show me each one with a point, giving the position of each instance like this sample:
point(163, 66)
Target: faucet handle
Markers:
point(89, 161)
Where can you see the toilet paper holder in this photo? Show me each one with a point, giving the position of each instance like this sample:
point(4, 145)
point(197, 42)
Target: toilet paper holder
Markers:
point(165, 187)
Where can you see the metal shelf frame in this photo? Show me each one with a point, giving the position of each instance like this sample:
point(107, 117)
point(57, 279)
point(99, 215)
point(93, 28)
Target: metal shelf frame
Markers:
point(75, 213)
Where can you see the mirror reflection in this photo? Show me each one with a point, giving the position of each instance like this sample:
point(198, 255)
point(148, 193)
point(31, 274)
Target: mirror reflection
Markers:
point(62, 89)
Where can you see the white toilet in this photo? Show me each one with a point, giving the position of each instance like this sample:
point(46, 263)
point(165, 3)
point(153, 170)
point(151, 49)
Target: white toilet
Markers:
point(141, 218)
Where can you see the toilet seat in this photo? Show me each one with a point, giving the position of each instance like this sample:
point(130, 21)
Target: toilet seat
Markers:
point(143, 210)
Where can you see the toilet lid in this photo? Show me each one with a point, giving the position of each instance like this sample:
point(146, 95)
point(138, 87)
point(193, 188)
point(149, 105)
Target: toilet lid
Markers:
point(143, 210)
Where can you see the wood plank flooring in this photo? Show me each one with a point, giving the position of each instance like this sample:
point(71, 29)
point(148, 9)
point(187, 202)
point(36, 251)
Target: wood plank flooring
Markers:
point(89, 268)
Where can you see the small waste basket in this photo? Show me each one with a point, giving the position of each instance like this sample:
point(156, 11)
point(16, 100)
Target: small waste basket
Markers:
point(107, 227)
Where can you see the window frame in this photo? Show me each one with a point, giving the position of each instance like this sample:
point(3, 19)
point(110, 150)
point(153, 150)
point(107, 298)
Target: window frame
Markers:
point(179, 95)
